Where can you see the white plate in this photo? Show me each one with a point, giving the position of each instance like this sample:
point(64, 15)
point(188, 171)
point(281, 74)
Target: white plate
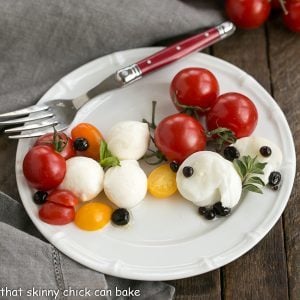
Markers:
point(166, 239)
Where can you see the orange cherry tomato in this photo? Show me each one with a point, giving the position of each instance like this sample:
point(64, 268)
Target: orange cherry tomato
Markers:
point(93, 216)
point(92, 135)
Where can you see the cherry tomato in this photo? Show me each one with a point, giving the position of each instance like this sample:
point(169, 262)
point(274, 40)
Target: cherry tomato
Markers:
point(44, 168)
point(63, 197)
point(92, 135)
point(93, 216)
point(48, 139)
point(248, 14)
point(178, 136)
point(235, 112)
point(195, 87)
point(162, 182)
point(292, 18)
point(56, 214)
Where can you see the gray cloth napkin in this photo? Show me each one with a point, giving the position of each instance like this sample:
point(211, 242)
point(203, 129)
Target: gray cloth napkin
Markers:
point(41, 41)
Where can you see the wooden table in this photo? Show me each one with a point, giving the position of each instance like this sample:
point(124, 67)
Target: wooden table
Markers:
point(271, 270)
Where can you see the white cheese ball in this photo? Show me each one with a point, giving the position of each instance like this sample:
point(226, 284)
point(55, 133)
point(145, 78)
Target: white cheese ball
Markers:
point(84, 177)
point(251, 146)
point(128, 140)
point(125, 185)
point(214, 179)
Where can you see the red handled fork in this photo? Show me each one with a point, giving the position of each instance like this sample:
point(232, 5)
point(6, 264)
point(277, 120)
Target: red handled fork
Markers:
point(39, 119)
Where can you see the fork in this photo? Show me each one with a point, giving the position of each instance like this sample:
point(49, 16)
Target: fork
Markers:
point(60, 113)
point(42, 118)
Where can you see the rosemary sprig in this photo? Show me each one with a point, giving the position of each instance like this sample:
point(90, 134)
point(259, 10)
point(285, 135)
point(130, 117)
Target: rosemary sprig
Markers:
point(248, 168)
point(107, 160)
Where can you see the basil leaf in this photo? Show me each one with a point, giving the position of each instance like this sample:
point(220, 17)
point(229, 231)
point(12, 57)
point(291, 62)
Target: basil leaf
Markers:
point(110, 162)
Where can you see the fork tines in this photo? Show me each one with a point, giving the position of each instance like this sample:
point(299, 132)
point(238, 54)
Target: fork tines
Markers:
point(35, 117)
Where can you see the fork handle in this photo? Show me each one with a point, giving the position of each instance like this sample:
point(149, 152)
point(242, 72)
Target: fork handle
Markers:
point(175, 52)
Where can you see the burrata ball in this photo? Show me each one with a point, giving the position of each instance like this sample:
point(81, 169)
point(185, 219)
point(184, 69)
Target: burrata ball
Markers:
point(128, 140)
point(84, 177)
point(206, 177)
point(125, 185)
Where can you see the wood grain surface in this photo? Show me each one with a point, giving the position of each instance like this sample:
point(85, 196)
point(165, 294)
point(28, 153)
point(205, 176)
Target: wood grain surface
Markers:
point(271, 270)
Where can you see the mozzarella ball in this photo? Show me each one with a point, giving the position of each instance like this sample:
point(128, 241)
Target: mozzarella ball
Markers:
point(125, 185)
point(84, 177)
point(213, 179)
point(251, 146)
point(128, 140)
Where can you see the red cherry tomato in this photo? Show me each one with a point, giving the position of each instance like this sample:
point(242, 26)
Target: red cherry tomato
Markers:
point(196, 87)
point(248, 14)
point(63, 197)
point(292, 18)
point(235, 112)
point(55, 214)
point(47, 139)
point(178, 136)
point(44, 168)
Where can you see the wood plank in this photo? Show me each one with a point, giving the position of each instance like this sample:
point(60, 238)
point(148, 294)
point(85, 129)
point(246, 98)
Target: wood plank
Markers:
point(261, 273)
point(203, 287)
point(285, 69)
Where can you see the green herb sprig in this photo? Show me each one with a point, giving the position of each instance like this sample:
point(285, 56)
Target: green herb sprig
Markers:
point(248, 168)
point(107, 160)
point(221, 136)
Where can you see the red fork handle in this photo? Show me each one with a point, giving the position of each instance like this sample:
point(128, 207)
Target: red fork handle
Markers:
point(174, 52)
point(179, 50)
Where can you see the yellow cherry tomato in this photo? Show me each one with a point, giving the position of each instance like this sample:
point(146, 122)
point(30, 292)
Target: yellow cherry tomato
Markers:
point(162, 182)
point(93, 216)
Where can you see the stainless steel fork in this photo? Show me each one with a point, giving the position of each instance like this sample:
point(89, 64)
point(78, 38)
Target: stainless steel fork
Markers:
point(61, 112)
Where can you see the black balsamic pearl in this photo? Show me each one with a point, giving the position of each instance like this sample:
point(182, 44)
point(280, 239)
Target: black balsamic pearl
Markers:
point(174, 165)
point(210, 214)
point(40, 197)
point(220, 210)
point(202, 210)
point(187, 171)
point(81, 144)
point(265, 151)
point(120, 216)
point(274, 178)
point(218, 207)
point(225, 212)
point(231, 153)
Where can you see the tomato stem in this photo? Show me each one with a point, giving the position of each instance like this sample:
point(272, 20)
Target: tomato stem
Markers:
point(282, 4)
point(188, 108)
point(58, 142)
point(152, 125)
point(160, 157)
point(221, 135)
